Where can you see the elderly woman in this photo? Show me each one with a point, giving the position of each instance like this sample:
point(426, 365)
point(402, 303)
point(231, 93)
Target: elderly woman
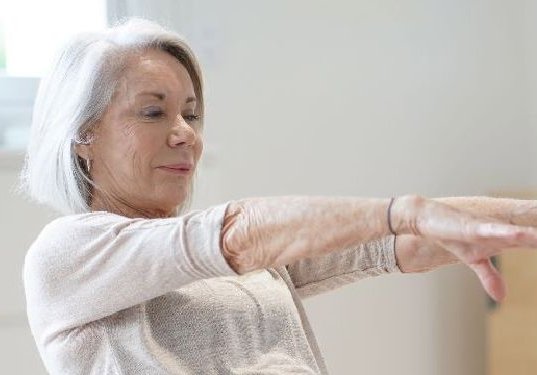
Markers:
point(129, 281)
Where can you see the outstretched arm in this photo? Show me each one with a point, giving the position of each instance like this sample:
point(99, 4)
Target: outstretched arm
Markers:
point(276, 231)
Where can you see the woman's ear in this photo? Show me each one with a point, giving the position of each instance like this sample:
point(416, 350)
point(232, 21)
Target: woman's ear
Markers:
point(84, 151)
point(83, 145)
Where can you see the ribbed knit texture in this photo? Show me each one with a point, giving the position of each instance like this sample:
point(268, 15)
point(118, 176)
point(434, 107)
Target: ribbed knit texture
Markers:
point(107, 294)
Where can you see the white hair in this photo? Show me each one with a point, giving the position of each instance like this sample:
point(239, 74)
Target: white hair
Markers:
point(74, 95)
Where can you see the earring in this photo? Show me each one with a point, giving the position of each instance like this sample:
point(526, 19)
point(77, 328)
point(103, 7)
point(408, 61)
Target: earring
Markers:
point(88, 165)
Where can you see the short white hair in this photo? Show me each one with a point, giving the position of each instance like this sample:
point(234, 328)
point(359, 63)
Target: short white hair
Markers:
point(74, 95)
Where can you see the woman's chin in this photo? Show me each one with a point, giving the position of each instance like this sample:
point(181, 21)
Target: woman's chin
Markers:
point(173, 201)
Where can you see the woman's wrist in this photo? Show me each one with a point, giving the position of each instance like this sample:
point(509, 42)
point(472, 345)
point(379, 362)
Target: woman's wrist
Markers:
point(404, 213)
point(404, 249)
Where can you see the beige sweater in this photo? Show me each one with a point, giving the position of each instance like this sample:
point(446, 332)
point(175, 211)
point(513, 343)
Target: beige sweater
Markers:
point(107, 294)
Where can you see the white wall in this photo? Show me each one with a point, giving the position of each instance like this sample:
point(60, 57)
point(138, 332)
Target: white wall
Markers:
point(361, 98)
point(20, 223)
point(530, 33)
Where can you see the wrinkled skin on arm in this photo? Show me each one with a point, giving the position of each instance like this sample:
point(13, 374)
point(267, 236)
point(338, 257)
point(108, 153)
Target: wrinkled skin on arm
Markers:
point(275, 231)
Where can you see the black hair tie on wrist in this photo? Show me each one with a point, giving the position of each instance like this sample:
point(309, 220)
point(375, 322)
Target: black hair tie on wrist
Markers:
point(389, 216)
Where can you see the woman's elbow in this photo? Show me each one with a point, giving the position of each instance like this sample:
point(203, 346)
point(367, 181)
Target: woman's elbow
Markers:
point(237, 239)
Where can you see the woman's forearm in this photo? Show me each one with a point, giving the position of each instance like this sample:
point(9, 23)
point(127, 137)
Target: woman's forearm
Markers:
point(275, 231)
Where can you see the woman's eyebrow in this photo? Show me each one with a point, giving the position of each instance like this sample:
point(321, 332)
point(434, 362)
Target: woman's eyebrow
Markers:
point(162, 96)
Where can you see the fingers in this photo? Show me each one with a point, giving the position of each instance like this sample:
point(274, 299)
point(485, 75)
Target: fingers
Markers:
point(505, 235)
point(476, 258)
point(490, 278)
point(442, 222)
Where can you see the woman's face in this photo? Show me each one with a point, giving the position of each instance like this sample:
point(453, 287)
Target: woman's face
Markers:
point(152, 121)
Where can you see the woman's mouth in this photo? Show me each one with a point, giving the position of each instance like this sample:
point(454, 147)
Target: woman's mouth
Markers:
point(180, 169)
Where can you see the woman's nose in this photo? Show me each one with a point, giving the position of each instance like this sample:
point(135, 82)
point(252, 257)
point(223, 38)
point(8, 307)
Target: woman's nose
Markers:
point(181, 132)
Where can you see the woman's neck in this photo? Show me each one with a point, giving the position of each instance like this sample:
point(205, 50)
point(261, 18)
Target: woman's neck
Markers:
point(124, 208)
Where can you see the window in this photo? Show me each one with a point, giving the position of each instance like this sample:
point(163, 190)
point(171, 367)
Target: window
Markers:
point(31, 32)
point(45, 26)
point(2, 49)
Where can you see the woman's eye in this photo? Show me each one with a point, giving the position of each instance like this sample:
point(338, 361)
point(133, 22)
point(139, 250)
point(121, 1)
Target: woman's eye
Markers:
point(153, 113)
point(192, 117)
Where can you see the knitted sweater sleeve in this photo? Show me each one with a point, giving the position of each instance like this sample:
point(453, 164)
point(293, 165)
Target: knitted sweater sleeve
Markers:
point(85, 267)
point(313, 276)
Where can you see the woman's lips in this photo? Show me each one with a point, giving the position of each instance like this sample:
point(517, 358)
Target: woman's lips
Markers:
point(181, 169)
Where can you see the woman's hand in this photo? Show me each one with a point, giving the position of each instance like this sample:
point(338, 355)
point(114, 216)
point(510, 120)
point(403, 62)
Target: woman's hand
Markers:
point(450, 234)
point(416, 254)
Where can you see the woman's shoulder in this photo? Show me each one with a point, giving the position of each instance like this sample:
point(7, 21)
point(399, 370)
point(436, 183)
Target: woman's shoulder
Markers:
point(62, 224)
point(88, 219)
point(70, 229)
